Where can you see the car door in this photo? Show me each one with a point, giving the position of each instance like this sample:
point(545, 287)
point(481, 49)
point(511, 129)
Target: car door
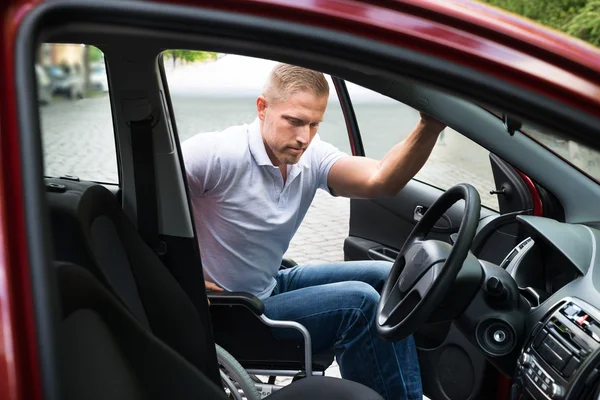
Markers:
point(450, 366)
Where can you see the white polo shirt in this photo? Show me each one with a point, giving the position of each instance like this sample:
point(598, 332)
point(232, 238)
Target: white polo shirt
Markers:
point(245, 216)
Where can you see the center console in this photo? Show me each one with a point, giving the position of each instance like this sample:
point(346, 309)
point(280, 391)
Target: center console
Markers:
point(561, 359)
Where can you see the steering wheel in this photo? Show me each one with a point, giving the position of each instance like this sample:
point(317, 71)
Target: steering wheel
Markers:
point(425, 270)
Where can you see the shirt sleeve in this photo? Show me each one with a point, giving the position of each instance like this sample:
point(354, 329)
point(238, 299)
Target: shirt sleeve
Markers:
point(326, 155)
point(202, 165)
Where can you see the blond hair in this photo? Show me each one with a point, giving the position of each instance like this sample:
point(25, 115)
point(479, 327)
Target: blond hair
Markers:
point(285, 80)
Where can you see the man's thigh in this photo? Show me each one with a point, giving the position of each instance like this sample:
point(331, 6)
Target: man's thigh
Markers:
point(325, 310)
point(373, 273)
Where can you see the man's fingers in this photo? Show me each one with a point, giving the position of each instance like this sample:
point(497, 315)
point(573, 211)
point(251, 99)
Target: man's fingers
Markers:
point(212, 286)
point(428, 119)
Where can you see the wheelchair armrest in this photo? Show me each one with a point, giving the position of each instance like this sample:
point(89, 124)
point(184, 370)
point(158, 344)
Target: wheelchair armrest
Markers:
point(237, 298)
point(287, 262)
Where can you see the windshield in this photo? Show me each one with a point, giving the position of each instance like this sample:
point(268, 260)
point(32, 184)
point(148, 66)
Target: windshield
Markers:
point(580, 156)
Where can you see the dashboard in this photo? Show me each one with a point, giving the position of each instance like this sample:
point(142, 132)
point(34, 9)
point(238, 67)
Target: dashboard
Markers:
point(561, 359)
point(555, 269)
point(539, 269)
point(538, 316)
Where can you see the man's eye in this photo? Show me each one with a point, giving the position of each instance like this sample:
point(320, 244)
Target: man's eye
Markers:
point(314, 125)
point(295, 122)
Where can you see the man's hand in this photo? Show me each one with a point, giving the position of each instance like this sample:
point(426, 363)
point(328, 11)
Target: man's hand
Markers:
point(210, 286)
point(432, 124)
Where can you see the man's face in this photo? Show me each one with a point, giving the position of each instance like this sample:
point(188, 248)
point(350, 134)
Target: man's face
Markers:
point(289, 126)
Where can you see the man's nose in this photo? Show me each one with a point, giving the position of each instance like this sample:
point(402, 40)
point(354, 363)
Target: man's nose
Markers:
point(303, 135)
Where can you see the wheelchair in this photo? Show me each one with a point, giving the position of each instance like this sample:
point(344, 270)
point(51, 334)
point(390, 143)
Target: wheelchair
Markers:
point(242, 331)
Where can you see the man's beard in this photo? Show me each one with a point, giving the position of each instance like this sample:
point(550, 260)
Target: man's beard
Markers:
point(291, 160)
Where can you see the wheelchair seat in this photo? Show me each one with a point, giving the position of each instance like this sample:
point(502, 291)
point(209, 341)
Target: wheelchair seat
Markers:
point(260, 352)
point(89, 228)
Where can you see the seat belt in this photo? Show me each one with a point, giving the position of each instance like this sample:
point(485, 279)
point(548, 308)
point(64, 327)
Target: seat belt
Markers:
point(145, 185)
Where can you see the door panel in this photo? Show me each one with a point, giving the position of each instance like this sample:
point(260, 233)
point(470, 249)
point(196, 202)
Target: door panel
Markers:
point(383, 225)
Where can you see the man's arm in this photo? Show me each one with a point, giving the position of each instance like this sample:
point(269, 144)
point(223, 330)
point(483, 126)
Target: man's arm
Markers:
point(364, 177)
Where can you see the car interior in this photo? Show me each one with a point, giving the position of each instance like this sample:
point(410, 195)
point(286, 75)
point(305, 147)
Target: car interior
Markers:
point(501, 301)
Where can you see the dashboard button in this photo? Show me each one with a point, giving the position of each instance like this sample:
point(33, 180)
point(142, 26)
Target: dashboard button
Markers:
point(539, 338)
point(571, 366)
point(569, 310)
point(555, 353)
point(557, 392)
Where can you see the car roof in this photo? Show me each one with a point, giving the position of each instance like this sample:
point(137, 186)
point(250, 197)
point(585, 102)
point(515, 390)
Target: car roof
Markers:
point(470, 33)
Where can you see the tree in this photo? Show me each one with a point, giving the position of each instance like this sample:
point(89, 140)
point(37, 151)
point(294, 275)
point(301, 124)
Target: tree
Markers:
point(579, 18)
point(189, 55)
point(95, 54)
point(586, 25)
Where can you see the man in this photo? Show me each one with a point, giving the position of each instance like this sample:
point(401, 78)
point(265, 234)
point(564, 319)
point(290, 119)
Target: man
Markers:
point(251, 186)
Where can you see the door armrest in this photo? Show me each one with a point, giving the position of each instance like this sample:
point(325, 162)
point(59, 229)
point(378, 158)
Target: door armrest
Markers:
point(248, 300)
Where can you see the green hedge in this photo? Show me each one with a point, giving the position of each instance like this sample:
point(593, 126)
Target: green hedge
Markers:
point(579, 18)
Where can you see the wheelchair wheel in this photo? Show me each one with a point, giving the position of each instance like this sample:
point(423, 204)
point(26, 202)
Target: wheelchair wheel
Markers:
point(235, 378)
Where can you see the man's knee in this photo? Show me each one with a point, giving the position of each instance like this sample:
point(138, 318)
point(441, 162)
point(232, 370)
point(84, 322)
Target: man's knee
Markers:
point(379, 271)
point(362, 296)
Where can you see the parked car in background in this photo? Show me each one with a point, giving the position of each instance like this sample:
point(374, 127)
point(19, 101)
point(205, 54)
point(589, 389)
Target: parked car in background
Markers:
point(66, 81)
point(98, 79)
point(44, 85)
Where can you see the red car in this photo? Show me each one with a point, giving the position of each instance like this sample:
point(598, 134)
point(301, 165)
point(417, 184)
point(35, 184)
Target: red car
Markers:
point(101, 290)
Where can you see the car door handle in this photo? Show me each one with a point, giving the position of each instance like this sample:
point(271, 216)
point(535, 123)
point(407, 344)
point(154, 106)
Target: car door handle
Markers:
point(419, 212)
point(443, 223)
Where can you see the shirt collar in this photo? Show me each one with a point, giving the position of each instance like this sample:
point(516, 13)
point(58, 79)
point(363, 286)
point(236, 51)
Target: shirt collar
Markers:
point(259, 152)
point(256, 144)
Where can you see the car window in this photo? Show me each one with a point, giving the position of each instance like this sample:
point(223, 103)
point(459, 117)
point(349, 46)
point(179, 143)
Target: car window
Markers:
point(210, 92)
point(582, 157)
point(215, 91)
point(384, 122)
point(76, 119)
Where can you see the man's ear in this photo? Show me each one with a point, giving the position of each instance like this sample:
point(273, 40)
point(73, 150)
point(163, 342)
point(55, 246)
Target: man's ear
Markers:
point(261, 106)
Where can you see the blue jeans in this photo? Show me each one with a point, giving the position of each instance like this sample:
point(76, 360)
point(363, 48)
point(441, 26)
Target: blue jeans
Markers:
point(337, 303)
